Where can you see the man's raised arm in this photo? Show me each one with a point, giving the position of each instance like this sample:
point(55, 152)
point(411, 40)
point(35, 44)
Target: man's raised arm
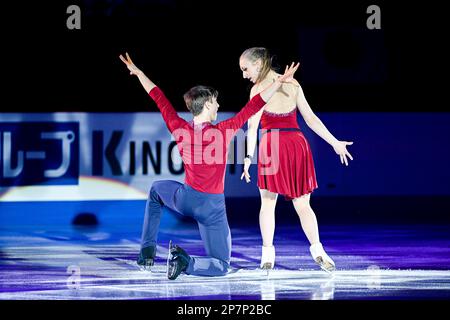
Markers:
point(170, 116)
point(259, 100)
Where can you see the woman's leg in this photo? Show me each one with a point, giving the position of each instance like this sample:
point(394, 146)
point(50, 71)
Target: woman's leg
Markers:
point(267, 227)
point(267, 216)
point(308, 221)
point(307, 217)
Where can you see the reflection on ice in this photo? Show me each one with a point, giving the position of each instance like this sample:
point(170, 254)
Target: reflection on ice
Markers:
point(64, 264)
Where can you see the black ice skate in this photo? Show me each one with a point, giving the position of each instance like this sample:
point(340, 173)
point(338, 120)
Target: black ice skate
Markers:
point(146, 258)
point(177, 261)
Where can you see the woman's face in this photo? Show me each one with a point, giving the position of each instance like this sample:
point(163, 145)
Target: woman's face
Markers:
point(250, 70)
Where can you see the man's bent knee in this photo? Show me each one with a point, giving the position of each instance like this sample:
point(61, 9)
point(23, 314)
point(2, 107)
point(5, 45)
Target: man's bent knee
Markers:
point(153, 195)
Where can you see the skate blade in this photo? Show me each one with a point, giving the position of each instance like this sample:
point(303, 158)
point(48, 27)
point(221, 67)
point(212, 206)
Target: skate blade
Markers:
point(267, 266)
point(144, 268)
point(325, 265)
point(169, 257)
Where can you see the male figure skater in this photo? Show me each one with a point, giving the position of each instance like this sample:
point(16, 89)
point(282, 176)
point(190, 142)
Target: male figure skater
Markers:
point(203, 148)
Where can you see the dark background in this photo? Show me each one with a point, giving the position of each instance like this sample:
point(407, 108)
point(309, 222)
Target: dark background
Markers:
point(179, 44)
point(345, 68)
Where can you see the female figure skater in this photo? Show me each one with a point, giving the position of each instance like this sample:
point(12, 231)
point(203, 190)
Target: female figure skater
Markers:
point(285, 165)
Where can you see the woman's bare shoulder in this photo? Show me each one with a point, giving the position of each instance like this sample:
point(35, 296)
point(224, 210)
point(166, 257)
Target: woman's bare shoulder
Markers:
point(258, 87)
point(254, 90)
point(293, 83)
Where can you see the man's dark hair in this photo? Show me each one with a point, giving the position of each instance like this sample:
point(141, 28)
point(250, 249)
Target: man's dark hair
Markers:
point(196, 97)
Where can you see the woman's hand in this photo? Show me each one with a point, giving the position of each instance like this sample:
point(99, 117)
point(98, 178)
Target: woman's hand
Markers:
point(289, 72)
point(247, 163)
point(341, 149)
point(130, 65)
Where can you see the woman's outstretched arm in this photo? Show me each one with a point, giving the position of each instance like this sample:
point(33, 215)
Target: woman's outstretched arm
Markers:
point(340, 147)
point(252, 135)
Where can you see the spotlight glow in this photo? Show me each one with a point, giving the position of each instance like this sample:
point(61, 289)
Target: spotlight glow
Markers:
point(89, 188)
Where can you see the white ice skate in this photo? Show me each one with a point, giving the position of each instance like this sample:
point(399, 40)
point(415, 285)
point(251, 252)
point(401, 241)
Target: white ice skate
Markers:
point(321, 258)
point(267, 258)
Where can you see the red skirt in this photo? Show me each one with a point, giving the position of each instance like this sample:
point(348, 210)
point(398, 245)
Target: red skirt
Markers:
point(285, 165)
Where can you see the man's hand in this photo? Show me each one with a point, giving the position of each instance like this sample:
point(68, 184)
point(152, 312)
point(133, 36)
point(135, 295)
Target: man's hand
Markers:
point(145, 81)
point(288, 76)
point(289, 72)
point(130, 65)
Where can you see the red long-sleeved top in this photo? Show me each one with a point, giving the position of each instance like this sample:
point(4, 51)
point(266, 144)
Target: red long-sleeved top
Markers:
point(204, 147)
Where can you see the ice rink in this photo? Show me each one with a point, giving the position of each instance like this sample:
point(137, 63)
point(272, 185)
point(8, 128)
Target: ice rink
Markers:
point(373, 262)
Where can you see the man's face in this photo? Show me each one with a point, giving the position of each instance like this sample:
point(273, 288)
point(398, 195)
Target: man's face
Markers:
point(213, 106)
point(249, 69)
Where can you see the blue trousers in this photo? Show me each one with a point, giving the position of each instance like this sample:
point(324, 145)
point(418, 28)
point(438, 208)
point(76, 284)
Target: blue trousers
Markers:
point(207, 209)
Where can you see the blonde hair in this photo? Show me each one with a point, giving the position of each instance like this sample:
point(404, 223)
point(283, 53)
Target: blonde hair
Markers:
point(256, 53)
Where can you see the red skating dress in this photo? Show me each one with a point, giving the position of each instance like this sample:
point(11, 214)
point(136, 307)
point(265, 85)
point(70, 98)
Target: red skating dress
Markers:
point(285, 164)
